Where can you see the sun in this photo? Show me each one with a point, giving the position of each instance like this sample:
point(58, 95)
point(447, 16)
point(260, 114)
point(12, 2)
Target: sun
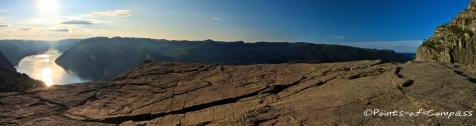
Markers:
point(48, 7)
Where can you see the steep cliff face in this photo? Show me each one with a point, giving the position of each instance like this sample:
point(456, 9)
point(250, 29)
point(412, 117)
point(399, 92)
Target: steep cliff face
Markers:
point(5, 63)
point(452, 42)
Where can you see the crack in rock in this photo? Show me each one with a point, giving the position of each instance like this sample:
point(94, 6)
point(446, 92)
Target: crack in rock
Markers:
point(148, 116)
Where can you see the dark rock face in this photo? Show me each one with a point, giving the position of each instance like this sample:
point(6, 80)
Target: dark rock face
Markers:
point(15, 50)
point(268, 52)
point(6, 64)
point(170, 93)
point(133, 50)
point(103, 59)
point(10, 80)
point(452, 42)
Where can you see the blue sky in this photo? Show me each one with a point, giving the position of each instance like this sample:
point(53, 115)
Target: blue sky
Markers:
point(391, 24)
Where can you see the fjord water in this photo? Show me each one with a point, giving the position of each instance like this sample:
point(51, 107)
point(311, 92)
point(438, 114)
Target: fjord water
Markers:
point(43, 67)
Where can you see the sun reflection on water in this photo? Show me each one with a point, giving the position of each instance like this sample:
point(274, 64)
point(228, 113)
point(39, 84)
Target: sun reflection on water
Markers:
point(47, 76)
point(42, 67)
point(46, 60)
point(44, 56)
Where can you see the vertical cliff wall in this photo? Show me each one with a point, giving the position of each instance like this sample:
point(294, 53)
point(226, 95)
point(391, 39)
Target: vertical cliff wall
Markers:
point(452, 42)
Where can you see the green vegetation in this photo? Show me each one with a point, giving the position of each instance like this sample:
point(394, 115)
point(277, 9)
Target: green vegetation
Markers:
point(432, 45)
point(428, 43)
point(16, 82)
point(440, 49)
point(456, 29)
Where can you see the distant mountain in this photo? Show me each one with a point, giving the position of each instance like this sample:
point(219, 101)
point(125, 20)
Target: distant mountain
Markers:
point(63, 45)
point(282, 52)
point(101, 58)
point(409, 55)
point(15, 50)
point(11, 81)
point(105, 58)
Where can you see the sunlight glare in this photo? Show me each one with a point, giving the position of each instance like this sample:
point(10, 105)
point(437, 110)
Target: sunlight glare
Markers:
point(47, 76)
point(70, 30)
point(46, 60)
point(47, 7)
point(44, 56)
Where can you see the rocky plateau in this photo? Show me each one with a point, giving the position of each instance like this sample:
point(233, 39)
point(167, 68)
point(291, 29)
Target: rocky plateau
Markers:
point(193, 94)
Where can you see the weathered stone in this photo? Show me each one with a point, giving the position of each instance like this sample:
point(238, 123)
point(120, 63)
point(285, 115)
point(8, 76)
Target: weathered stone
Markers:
point(167, 93)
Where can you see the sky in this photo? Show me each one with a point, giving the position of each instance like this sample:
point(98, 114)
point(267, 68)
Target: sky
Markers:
point(400, 25)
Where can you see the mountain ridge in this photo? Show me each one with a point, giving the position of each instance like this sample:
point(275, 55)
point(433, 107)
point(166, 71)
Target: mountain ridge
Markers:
point(214, 52)
point(16, 50)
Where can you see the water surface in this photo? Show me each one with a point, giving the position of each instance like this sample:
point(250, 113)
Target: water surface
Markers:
point(43, 67)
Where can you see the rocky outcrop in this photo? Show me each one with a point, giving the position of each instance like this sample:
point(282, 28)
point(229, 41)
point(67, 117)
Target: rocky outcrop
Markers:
point(6, 64)
point(452, 42)
point(171, 93)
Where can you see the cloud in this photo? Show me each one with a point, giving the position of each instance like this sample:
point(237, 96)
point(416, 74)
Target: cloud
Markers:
point(33, 29)
point(3, 25)
point(116, 13)
point(398, 46)
point(215, 18)
point(1, 19)
point(24, 29)
point(339, 37)
point(77, 22)
point(41, 21)
point(57, 30)
point(38, 29)
point(3, 10)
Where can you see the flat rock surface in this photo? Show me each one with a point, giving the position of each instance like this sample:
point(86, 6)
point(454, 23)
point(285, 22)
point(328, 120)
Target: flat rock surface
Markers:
point(170, 94)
